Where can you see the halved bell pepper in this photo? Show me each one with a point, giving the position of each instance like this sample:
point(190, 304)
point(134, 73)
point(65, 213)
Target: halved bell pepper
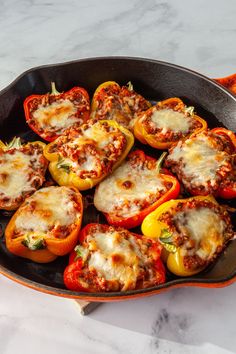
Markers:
point(20, 169)
point(154, 227)
point(119, 267)
point(62, 174)
point(127, 182)
point(50, 114)
point(136, 102)
point(229, 82)
point(228, 191)
point(228, 135)
point(111, 101)
point(176, 104)
point(38, 247)
point(227, 188)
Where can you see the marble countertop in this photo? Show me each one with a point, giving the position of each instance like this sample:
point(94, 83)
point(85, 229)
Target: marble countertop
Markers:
point(196, 34)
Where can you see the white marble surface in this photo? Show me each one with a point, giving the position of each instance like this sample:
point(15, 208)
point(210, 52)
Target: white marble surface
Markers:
point(197, 34)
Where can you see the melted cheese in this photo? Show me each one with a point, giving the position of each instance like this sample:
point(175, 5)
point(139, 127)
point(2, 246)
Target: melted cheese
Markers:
point(59, 115)
point(167, 119)
point(90, 164)
point(94, 134)
point(99, 139)
point(111, 193)
point(200, 159)
point(14, 173)
point(205, 227)
point(115, 258)
point(52, 207)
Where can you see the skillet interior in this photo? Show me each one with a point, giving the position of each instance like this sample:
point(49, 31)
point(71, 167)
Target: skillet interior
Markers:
point(154, 80)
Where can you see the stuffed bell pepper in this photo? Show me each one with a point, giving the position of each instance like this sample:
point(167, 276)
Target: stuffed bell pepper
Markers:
point(134, 189)
point(205, 163)
point(119, 103)
point(50, 114)
point(164, 124)
point(22, 171)
point(85, 155)
point(193, 231)
point(113, 259)
point(46, 225)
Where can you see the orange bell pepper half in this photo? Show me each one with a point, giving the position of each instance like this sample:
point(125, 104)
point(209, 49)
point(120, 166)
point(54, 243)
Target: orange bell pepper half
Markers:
point(38, 246)
point(228, 135)
point(175, 104)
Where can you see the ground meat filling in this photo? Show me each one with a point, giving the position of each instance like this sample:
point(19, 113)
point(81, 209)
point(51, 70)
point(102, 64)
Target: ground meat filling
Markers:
point(120, 104)
point(164, 134)
point(133, 260)
point(82, 153)
point(74, 105)
point(40, 214)
point(29, 178)
point(198, 251)
point(110, 106)
point(200, 163)
point(136, 102)
point(133, 186)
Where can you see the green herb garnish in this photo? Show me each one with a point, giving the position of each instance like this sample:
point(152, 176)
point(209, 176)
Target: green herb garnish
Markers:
point(81, 252)
point(34, 243)
point(189, 110)
point(78, 251)
point(160, 161)
point(62, 164)
point(166, 239)
point(14, 144)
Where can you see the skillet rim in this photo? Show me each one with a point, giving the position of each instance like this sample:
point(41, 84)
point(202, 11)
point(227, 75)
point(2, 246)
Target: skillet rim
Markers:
point(131, 294)
point(117, 57)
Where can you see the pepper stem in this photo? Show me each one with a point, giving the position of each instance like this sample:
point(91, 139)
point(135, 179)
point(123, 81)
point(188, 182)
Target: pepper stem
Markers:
point(130, 86)
point(189, 110)
point(15, 143)
point(160, 161)
point(53, 89)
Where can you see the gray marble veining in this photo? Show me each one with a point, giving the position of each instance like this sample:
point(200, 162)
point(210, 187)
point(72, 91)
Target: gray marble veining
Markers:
point(196, 34)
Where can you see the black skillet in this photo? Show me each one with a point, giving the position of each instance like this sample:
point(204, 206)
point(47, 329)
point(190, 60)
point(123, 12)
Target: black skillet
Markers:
point(155, 80)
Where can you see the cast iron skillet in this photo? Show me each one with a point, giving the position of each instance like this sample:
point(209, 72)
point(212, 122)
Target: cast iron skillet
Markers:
point(155, 80)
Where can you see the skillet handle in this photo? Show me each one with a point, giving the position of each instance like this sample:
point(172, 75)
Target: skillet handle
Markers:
point(229, 82)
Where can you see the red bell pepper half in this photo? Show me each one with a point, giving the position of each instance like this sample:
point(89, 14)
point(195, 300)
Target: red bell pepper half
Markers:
point(227, 189)
point(117, 272)
point(138, 158)
point(49, 115)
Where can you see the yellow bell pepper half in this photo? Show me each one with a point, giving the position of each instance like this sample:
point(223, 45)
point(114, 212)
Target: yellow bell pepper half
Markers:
point(153, 228)
point(126, 105)
point(94, 104)
point(69, 178)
